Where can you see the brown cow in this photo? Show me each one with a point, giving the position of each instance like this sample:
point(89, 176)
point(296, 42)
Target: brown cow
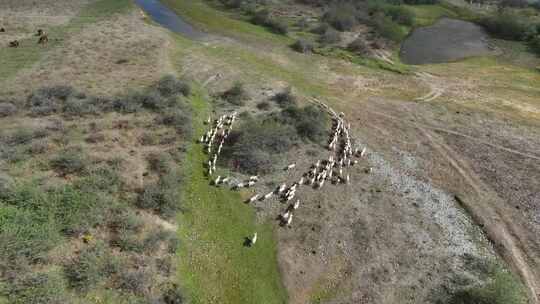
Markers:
point(14, 43)
point(43, 39)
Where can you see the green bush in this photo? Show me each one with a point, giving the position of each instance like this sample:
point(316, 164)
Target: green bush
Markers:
point(161, 162)
point(236, 95)
point(79, 107)
point(137, 282)
point(331, 36)
point(507, 26)
point(255, 145)
point(38, 288)
point(69, 161)
point(122, 218)
point(263, 106)
point(263, 18)
point(91, 267)
point(388, 28)
point(285, 98)
point(359, 46)
point(341, 15)
point(302, 46)
point(128, 240)
point(7, 109)
point(173, 295)
point(170, 86)
point(311, 123)
point(180, 120)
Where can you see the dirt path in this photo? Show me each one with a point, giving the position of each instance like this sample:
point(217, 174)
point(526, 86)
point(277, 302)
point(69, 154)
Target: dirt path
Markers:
point(435, 91)
point(491, 217)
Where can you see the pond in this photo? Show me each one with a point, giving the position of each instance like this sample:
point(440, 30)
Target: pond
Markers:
point(445, 41)
point(169, 19)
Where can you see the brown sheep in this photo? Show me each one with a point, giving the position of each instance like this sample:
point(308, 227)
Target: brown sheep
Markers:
point(14, 43)
point(43, 39)
point(2, 30)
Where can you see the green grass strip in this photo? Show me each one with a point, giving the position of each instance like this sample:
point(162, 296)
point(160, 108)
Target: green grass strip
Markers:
point(214, 266)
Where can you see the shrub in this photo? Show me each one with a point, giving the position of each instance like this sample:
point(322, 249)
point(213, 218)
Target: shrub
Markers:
point(310, 122)
point(331, 36)
point(285, 98)
point(48, 100)
point(47, 287)
point(263, 18)
point(161, 162)
point(341, 16)
point(359, 46)
point(506, 25)
point(7, 109)
point(89, 268)
point(128, 240)
point(263, 106)
point(69, 161)
point(126, 104)
point(320, 29)
point(535, 44)
point(99, 179)
point(172, 295)
point(159, 236)
point(178, 119)
point(170, 85)
point(255, 144)
point(388, 28)
point(302, 46)
point(161, 198)
point(236, 95)
point(399, 14)
point(79, 107)
point(19, 137)
point(124, 219)
point(135, 281)
point(39, 147)
point(152, 100)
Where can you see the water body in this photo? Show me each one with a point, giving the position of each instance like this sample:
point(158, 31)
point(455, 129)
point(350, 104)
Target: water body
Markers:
point(445, 41)
point(169, 19)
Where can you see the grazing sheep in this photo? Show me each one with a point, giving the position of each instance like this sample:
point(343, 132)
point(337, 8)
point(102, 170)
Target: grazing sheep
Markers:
point(225, 180)
point(254, 178)
point(14, 44)
point(217, 181)
point(43, 39)
point(2, 30)
point(285, 216)
point(250, 183)
point(301, 181)
point(291, 166)
point(254, 198)
point(363, 152)
point(296, 204)
point(253, 239)
point(347, 179)
point(281, 188)
point(289, 220)
point(39, 33)
point(269, 195)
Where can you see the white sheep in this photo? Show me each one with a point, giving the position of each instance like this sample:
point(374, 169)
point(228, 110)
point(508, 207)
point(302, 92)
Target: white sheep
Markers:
point(217, 180)
point(363, 152)
point(291, 166)
point(254, 198)
point(289, 220)
point(250, 183)
point(269, 195)
point(286, 215)
point(347, 179)
point(254, 239)
point(296, 204)
point(254, 178)
point(225, 180)
point(281, 188)
point(301, 181)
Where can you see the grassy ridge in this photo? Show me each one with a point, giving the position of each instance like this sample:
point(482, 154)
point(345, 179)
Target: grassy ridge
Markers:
point(12, 60)
point(214, 266)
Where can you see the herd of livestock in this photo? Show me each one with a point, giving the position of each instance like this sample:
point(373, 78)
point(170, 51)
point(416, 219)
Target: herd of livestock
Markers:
point(43, 38)
point(333, 169)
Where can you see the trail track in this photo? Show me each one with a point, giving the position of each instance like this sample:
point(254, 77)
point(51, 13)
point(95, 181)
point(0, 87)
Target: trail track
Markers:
point(482, 205)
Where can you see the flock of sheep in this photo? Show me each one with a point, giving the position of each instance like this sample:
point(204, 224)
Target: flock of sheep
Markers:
point(333, 169)
point(43, 38)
